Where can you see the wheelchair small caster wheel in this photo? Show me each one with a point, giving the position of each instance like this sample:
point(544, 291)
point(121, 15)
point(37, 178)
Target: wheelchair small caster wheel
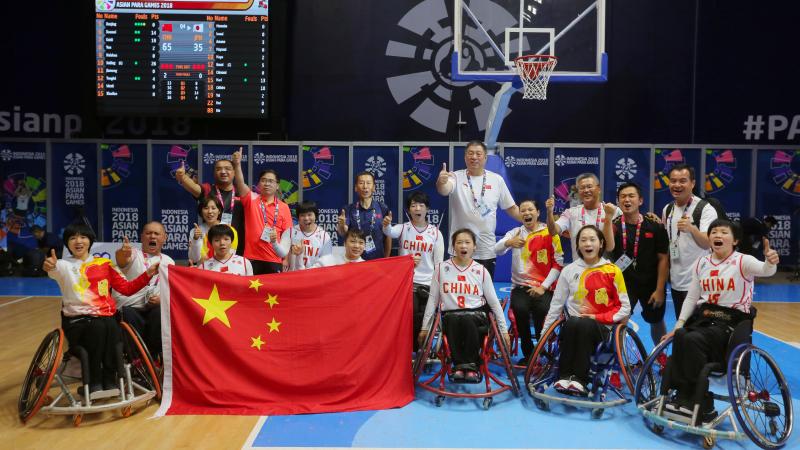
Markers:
point(439, 400)
point(708, 442)
point(126, 411)
point(541, 404)
point(77, 419)
point(487, 403)
point(658, 429)
point(597, 413)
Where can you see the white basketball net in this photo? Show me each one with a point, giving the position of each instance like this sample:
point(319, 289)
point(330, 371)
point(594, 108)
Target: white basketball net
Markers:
point(534, 71)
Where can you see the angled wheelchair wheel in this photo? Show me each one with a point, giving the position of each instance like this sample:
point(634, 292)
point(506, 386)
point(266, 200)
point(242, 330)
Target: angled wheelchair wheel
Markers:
point(630, 355)
point(40, 375)
point(505, 356)
point(760, 395)
point(648, 382)
point(424, 352)
point(137, 355)
point(545, 356)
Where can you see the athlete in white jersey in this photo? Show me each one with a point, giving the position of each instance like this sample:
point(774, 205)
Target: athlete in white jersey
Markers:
point(460, 288)
point(424, 242)
point(354, 243)
point(232, 264)
point(224, 259)
point(305, 242)
point(722, 287)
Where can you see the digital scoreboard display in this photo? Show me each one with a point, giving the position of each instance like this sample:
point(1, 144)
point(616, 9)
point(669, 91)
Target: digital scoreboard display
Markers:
point(182, 58)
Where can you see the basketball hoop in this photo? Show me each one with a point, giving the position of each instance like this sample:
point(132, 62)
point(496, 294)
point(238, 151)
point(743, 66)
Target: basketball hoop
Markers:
point(535, 71)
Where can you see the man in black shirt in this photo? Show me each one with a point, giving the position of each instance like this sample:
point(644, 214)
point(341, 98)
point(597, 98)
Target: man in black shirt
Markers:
point(641, 249)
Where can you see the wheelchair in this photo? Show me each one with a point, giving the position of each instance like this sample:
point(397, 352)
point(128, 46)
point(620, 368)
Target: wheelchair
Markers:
point(137, 380)
point(760, 404)
point(436, 344)
point(617, 360)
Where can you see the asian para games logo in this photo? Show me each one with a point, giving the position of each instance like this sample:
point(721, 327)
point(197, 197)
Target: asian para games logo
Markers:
point(6, 154)
point(561, 160)
point(626, 168)
point(74, 163)
point(510, 161)
point(375, 165)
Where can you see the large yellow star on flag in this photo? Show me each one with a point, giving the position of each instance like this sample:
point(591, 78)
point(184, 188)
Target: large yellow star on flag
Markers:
point(215, 308)
point(257, 342)
point(272, 300)
point(273, 326)
point(255, 284)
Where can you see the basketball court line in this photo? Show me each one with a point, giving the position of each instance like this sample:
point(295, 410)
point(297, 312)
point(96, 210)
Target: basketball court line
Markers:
point(248, 444)
point(17, 301)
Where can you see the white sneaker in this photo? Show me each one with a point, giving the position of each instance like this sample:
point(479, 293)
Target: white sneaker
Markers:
point(576, 386)
point(561, 385)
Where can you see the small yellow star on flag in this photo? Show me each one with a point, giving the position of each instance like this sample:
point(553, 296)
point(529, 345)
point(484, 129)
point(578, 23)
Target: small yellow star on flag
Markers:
point(257, 342)
point(273, 326)
point(255, 284)
point(272, 300)
point(214, 307)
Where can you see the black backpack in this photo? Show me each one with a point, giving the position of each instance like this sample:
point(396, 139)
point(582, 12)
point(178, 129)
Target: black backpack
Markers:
point(698, 211)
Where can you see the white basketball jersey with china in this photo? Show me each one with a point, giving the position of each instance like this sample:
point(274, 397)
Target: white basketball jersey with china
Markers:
point(461, 288)
point(315, 245)
point(414, 241)
point(724, 283)
point(236, 265)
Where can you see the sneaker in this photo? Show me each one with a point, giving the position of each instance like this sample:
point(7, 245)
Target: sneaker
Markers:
point(472, 377)
point(562, 385)
point(458, 375)
point(678, 407)
point(576, 386)
point(92, 389)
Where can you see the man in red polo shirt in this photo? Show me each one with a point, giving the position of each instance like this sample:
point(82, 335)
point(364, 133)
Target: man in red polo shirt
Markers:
point(266, 217)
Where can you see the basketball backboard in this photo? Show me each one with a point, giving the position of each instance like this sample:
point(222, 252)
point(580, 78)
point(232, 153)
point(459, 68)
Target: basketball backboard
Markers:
point(489, 34)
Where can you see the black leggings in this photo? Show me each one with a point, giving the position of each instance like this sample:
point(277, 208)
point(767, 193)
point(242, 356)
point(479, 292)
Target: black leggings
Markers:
point(578, 340)
point(524, 306)
point(98, 335)
point(465, 331)
point(693, 347)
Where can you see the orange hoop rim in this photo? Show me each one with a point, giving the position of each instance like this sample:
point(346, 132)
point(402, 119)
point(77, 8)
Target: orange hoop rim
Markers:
point(542, 59)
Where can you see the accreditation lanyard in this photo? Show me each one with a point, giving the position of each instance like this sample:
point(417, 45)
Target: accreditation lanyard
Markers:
point(597, 220)
point(264, 212)
point(635, 239)
point(483, 189)
point(358, 217)
point(672, 213)
point(219, 197)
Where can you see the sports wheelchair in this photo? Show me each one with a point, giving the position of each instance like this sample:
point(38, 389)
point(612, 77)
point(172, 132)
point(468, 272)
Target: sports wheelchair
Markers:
point(757, 393)
point(137, 380)
point(617, 359)
point(436, 344)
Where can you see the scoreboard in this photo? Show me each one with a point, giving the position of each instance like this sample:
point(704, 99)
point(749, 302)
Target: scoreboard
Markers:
point(182, 58)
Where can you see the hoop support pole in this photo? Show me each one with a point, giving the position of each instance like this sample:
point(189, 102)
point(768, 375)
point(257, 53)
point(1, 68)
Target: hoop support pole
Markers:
point(498, 113)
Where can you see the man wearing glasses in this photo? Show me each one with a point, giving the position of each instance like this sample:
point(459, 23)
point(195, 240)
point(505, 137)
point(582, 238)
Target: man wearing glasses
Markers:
point(266, 218)
point(591, 211)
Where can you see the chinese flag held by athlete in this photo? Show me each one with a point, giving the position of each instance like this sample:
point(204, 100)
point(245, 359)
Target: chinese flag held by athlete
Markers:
point(322, 340)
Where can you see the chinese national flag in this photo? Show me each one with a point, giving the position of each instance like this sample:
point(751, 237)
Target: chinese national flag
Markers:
point(322, 340)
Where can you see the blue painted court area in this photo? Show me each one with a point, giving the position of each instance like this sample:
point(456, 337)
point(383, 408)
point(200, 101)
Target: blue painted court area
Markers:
point(510, 422)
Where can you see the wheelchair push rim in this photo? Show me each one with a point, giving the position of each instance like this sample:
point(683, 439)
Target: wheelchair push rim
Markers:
point(757, 387)
point(40, 375)
point(630, 355)
point(140, 360)
point(543, 359)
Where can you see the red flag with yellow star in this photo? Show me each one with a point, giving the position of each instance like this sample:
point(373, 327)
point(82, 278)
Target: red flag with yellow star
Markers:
point(321, 340)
